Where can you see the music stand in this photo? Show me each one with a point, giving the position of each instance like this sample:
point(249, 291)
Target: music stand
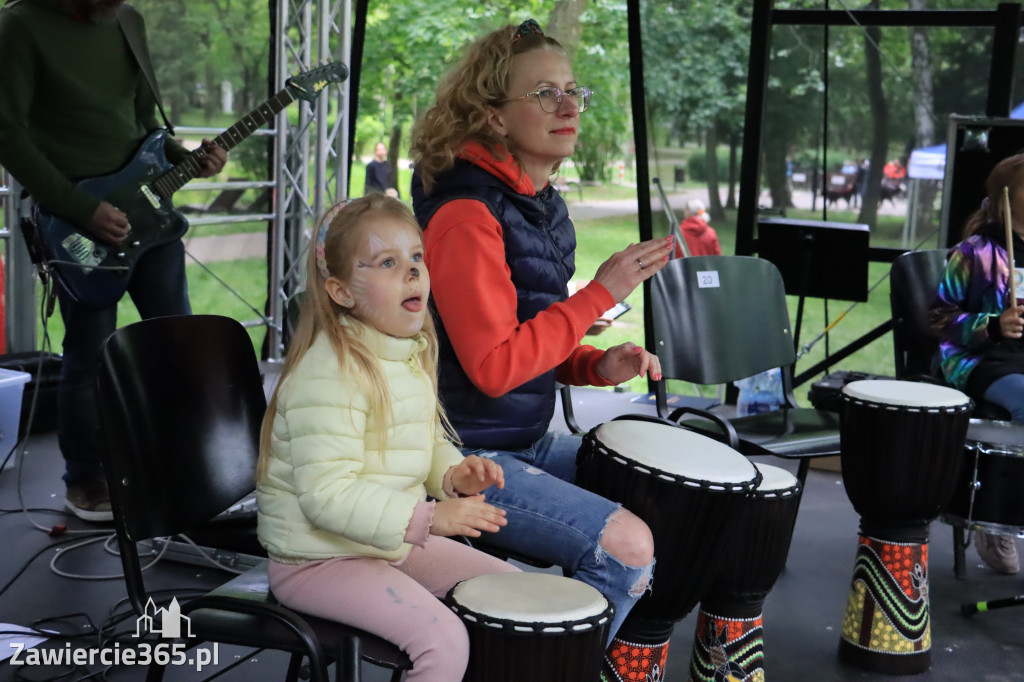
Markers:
point(816, 258)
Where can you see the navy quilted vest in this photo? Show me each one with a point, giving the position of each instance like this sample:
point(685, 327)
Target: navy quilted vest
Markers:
point(540, 245)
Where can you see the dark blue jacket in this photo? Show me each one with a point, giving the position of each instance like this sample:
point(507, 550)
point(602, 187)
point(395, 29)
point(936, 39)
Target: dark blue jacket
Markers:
point(540, 245)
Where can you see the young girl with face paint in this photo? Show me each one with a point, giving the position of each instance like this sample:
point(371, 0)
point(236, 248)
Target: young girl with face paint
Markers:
point(501, 250)
point(354, 440)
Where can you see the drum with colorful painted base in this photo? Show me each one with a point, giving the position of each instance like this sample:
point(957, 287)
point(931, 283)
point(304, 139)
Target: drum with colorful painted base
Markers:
point(531, 626)
point(901, 445)
point(887, 625)
point(729, 641)
point(686, 487)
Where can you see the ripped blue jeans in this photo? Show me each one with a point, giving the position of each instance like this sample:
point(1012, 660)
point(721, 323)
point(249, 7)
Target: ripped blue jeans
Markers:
point(553, 520)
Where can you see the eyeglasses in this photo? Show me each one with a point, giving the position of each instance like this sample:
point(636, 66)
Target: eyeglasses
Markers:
point(551, 98)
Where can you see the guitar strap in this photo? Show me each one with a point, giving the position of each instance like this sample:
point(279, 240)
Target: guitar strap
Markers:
point(131, 25)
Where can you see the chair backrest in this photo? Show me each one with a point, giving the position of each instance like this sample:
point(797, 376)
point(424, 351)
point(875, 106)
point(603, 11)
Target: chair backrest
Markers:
point(720, 318)
point(914, 278)
point(181, 402)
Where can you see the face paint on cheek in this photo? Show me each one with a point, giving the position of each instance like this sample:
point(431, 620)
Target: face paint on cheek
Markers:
point(357, 287)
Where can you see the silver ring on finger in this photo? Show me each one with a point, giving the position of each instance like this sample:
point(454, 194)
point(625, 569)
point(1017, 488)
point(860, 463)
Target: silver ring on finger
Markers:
point(640, 264)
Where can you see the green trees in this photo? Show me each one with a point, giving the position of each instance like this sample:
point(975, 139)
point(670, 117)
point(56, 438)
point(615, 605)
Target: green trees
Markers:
point(409, 45)
point(833, 94)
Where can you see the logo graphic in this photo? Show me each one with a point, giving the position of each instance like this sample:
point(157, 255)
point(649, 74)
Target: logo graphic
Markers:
point(165, 622)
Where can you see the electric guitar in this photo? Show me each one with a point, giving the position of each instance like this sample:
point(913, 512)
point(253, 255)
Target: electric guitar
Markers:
point(96, 273)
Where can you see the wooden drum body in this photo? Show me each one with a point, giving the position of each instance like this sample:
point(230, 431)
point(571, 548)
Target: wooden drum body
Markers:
point(902, 443)
point(729, 635)
point(686, 487)
point(531, 626)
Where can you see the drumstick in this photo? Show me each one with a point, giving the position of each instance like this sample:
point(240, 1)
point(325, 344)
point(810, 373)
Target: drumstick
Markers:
point(1012, 288)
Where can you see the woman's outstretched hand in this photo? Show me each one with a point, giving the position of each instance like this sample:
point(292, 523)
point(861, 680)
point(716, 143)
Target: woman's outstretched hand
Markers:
point(625, 270)
point(625, 361)
point(466, 516)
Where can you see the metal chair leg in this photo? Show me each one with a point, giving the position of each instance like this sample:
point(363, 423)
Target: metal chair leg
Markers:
point(959, 553)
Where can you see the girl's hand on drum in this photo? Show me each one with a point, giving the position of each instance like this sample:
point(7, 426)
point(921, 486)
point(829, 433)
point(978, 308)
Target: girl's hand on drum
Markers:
point(623, 362)
point(474, 474)
point(466, 516)
point(625, 270)
point(1011, 325)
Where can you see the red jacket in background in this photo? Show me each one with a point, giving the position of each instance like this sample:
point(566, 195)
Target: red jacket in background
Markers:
point(701, 238)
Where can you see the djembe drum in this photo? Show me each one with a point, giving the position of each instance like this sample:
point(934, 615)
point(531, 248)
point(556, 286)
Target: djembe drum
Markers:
point(686, 487)
point(901, 445)
point(729, 634)
point(531, 626)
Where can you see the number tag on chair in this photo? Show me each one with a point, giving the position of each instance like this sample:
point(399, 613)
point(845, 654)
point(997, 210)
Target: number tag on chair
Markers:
point(707, 279)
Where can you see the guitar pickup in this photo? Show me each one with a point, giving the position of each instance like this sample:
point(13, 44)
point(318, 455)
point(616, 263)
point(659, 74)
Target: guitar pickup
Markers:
point(84, 251)
point(151, 197)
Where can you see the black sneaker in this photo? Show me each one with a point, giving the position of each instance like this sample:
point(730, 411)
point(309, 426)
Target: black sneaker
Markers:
point(89, 500)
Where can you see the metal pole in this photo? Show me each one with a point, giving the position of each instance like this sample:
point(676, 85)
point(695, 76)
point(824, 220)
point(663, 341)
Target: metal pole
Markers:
point(20, 285)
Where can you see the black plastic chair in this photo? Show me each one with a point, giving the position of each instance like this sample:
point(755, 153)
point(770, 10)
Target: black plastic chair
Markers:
point(719, 319)
point(913, 280)
point(181, 404)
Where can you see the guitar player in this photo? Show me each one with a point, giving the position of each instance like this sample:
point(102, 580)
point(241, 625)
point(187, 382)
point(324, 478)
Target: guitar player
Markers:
point(75, 103)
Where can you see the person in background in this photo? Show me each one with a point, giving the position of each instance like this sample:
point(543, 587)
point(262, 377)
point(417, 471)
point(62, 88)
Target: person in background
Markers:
point(701, 238)
point(895, 170)
point(501, 250)
point(74, 103)
point(861, 178)
point(977, 312)
point(354, 440)
point(378, 173)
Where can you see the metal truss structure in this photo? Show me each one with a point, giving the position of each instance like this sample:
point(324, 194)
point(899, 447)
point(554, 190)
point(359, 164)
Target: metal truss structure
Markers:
point(310, 155)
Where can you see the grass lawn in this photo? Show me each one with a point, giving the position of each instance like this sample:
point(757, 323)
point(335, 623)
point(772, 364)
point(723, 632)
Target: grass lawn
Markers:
point(248, 277)
point(597, 240)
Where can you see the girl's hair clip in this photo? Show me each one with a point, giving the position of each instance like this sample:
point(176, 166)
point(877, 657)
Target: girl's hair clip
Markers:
point(527, 28)
point(321, 238)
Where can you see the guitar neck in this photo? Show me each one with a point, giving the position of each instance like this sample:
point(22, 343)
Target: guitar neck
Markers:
point(174, 179)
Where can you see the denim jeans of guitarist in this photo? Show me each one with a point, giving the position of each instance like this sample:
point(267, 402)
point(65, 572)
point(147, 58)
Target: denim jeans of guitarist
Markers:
point(553, 520)
point(157, 288)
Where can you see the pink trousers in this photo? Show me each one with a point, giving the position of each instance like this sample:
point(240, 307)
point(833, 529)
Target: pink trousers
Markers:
point(397, 602)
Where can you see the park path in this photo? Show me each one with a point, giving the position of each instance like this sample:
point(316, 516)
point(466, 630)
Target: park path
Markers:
point(802, 199)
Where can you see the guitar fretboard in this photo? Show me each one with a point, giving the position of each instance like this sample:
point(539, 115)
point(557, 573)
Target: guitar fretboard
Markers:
point(174, 179)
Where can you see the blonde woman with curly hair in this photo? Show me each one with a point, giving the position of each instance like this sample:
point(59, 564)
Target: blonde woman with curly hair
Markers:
point(501, 250)
point(353, 442)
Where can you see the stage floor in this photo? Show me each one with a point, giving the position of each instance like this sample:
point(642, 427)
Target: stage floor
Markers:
point(802, 615)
